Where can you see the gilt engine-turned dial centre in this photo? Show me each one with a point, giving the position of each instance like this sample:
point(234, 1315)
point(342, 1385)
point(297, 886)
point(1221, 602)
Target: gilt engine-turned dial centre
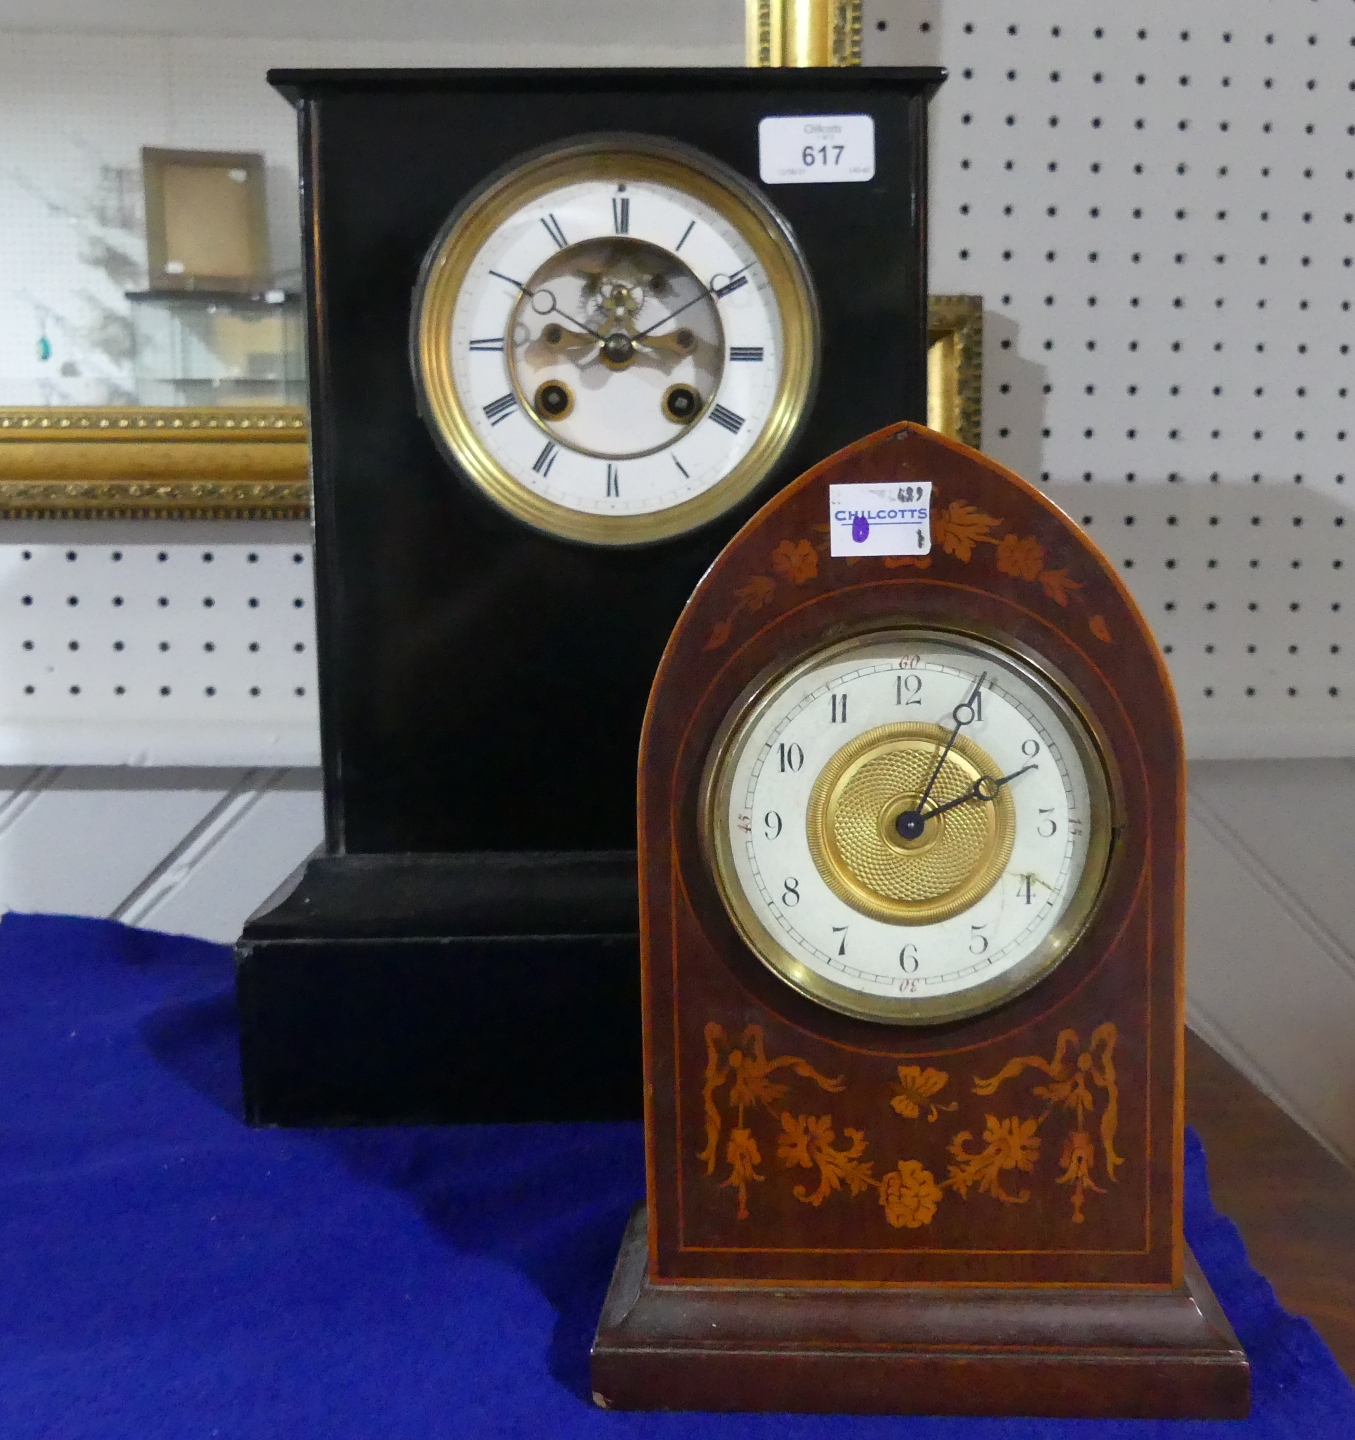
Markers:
point(911, 826)
point(615, 339)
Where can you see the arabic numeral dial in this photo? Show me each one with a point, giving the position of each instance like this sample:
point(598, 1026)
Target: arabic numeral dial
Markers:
point(926, 824)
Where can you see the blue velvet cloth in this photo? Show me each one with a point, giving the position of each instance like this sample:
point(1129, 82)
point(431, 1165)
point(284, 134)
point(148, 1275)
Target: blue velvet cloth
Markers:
point(169, 1273)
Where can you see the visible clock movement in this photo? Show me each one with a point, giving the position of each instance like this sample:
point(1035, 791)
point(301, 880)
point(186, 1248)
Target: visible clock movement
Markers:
point(911, 879)
point(616, 338)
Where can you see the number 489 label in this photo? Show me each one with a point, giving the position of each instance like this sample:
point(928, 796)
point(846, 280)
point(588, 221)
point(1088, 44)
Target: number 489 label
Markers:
point(816, 149)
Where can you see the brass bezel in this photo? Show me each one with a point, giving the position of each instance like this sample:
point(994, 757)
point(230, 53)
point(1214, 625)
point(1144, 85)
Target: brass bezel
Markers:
point(622, 158)
point(716, 844)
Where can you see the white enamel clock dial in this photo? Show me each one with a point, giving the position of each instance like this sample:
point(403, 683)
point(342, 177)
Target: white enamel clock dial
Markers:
point(911, 826)
point(616, 341)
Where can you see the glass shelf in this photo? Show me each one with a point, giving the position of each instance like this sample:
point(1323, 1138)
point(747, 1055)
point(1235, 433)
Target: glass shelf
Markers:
point(203, 347)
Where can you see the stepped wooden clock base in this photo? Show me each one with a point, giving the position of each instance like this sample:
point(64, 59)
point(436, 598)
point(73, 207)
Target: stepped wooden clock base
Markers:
point(1092, 1351)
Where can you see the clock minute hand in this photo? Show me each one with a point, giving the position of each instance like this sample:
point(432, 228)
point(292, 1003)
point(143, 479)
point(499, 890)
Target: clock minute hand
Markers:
point(732, 283)
point(961, 720)
point(986, 787)
point(911, 823)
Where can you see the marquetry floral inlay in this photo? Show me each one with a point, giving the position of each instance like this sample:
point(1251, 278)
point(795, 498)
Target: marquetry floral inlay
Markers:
point(744, 1073)
point(1008, 1145)
point(1080, 1094)
point(910, 1195)
point(1075, 1075)
point(808, 1141)
point(958, 529)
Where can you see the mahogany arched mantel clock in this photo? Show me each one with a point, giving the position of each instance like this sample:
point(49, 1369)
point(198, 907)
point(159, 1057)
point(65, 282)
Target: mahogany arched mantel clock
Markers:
point(911, 834)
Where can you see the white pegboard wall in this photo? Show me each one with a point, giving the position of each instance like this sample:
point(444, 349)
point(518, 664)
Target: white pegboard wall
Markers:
point(1157, 203)
point(1248, 590)
point(196, 650)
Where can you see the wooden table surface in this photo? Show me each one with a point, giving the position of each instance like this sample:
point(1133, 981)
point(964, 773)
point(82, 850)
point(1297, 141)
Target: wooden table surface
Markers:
point(1292, 1200)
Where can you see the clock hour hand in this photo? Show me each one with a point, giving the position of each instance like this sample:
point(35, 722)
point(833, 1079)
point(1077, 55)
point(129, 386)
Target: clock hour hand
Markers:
point(986, 787)
point(543, 302)
point(553, 309)
point(561, 338)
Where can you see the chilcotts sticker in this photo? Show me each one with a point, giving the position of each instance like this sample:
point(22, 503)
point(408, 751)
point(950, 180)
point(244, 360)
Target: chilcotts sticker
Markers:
point(880, 519)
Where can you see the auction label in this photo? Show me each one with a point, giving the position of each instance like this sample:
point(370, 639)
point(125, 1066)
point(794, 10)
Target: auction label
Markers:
point(880, 519)
point(816, 149)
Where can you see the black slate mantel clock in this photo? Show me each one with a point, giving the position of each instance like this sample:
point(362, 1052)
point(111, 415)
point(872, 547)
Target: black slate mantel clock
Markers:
point(563, 342)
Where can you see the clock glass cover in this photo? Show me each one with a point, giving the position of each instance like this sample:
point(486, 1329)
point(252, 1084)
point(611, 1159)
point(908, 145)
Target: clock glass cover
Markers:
point(911, 826)
point(615, 338)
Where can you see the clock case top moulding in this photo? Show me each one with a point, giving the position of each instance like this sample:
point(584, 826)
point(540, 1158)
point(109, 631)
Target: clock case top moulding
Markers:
point(482, 685)
point(1015, 1176)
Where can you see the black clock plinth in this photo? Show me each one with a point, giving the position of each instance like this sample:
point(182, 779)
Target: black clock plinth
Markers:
point(393, 988)
point(482, 685)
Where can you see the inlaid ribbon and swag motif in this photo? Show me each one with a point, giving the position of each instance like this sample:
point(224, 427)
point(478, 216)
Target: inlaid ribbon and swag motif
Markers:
point(1072, 1112)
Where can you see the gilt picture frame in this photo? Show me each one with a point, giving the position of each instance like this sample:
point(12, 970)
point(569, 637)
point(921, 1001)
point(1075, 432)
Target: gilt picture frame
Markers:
point(175, 463)
point(234, 463)
point(955, 367)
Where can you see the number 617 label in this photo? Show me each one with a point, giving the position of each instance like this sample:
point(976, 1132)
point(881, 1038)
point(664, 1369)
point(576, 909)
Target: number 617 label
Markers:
point(815, 149)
